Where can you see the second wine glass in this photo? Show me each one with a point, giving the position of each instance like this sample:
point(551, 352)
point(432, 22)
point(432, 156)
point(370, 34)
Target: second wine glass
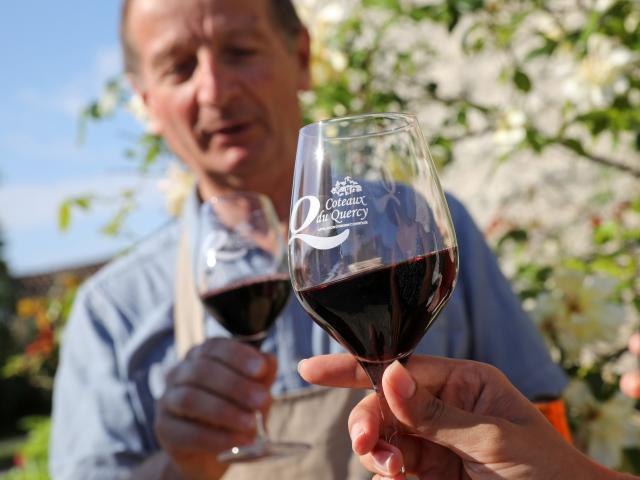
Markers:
point(243, 282)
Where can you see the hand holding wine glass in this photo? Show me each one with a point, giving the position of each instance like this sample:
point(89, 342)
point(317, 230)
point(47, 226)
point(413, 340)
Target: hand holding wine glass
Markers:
point(372, 250)
point(244, 284)
point(460, 419)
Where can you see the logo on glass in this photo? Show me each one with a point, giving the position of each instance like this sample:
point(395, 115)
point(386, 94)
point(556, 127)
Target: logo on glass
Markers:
point(346, 187)
point(349, 209)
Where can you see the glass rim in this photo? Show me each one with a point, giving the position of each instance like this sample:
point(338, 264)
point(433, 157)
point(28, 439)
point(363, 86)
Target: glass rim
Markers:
point(409, 117)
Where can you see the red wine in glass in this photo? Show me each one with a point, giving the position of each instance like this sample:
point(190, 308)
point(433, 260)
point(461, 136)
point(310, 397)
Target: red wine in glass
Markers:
point(247, 309)
point(381, 314)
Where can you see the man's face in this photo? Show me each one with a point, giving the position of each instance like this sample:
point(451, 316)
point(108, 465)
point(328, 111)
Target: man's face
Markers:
point(221, 82)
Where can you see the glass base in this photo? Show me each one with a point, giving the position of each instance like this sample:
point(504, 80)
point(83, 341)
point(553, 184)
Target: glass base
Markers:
point(262, 449)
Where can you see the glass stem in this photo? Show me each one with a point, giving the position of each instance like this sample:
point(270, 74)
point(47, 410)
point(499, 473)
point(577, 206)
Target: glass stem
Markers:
point(374, 371)
point(261, 429)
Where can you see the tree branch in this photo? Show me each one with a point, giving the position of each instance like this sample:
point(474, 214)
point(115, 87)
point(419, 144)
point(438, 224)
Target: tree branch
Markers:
point(607, 162)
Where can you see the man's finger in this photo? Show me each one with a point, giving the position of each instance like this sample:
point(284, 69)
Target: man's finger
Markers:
point(335, 370)
point(243, 358)
point(198, 405)
point(180, 434)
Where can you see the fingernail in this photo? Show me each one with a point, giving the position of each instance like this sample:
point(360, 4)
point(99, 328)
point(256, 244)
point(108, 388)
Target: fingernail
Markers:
point(300, 364)
point(254, 366)
point(382, 461)
point(404, 385)
point(356, 432)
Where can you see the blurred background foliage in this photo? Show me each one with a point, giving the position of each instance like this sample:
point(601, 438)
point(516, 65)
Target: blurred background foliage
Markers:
point(532, 112)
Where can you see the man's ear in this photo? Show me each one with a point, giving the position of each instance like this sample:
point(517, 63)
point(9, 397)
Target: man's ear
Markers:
point(303, 55)
point(147, 115)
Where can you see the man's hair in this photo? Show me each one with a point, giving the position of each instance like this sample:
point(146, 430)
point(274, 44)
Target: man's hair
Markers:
point(283, 15)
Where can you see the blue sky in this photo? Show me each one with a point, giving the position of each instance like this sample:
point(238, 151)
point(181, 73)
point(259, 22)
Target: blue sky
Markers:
point(56, 56)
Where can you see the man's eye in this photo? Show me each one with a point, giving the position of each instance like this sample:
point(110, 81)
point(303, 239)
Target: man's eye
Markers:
point(242, 51)
point(182, 69)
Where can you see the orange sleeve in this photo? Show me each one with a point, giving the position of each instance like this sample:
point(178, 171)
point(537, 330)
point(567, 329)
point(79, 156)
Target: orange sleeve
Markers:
point(556, 414)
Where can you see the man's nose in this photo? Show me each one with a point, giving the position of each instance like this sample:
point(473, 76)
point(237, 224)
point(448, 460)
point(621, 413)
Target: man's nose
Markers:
point(214, 82)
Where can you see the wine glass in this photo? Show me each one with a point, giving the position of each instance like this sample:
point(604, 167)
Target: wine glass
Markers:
point(243, 282)
point(372, 251)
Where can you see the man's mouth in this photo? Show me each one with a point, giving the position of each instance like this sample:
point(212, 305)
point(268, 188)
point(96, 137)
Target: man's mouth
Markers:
point(233, 129)
point(226, 133)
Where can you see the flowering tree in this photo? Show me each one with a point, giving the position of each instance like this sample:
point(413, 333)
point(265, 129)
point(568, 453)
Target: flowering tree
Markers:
point(532, 111)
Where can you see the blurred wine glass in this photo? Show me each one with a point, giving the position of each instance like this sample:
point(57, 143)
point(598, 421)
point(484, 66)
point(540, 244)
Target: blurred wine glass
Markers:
point(243, 282)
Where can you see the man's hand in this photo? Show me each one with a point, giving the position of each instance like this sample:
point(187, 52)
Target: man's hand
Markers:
point(209, 402)
point(460, 420)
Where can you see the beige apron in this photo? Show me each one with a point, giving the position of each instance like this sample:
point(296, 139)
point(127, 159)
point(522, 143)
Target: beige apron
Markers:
point(317, 416)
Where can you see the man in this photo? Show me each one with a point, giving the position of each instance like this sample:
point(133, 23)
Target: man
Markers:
point(220, 79)
point(461, 419)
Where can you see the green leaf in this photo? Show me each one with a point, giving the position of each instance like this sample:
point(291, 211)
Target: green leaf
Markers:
point(13, 366)
point(419, 14)
point(573, 145)
point(83, 202)
point(522, 81)
point(590, 26)
point(392, 5)
point(64, 215)
point(575, 264)
point(536, 140)
point(546, 49)
point(610, 266)
point(605, 232)
point(517, 235)
point(113, 227)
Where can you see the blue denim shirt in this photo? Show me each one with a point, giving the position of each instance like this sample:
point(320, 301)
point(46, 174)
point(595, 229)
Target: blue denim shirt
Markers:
point(119, 345)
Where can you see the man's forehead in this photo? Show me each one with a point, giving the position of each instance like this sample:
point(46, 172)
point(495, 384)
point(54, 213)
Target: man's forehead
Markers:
point(172, 21)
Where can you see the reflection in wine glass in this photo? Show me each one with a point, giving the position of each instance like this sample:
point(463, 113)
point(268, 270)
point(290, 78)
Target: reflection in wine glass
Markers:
point(243, 282)
point(372, 250)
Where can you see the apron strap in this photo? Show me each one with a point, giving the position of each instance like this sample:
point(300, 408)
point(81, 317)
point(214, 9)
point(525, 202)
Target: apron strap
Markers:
point(188, 312)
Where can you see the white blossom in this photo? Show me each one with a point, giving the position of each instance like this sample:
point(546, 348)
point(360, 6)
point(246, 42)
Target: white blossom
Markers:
point(176, 186)
point(632, 21)
point(319, 13)
point(602, 5)
point(511, 129)
point(600, 74)
point(108, 101)
point(579, 316)
point(604, 428)
point(138, 109)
